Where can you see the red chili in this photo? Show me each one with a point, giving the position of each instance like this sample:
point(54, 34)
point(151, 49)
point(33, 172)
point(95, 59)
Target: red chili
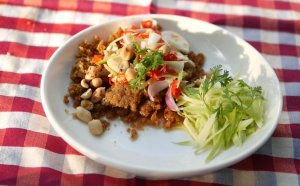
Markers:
point(154, 74)
point(110, 81)
point(174, 89)
point(134, 27)
point(171, 56)
point(144, 35)
point(171, 71)
point(147, 24)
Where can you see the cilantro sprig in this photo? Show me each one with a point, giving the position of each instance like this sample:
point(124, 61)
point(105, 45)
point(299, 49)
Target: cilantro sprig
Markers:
point(145, 60)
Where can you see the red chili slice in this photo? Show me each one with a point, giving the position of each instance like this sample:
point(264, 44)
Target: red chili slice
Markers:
point(147, 24)
point(174, 89)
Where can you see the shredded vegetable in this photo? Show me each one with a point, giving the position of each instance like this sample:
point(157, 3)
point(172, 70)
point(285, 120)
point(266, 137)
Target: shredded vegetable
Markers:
point(222, 111)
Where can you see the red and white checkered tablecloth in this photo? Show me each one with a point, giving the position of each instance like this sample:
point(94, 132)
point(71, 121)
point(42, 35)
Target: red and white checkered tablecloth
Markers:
point(32, 153)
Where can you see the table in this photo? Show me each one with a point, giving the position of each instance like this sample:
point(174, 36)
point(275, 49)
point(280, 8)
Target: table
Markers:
point(32, 153)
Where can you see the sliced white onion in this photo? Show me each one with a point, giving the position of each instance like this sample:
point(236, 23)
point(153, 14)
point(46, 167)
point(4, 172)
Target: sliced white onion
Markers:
point(176, 40)
point(152, 40)
point(127, 39)
point(143, 44)
point(170, 101)
point(177, 66)
point(156, 87)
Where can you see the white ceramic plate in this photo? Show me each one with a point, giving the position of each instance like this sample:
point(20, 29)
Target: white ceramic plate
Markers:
point(153, 154)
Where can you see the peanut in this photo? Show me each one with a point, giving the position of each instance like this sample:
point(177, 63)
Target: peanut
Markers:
point(88, 105)
point(83, 114)
point(87, 94)
point(96, 127)
point(96, 82)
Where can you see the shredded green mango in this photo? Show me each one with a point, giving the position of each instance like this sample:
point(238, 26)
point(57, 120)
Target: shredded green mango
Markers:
point(221, 112)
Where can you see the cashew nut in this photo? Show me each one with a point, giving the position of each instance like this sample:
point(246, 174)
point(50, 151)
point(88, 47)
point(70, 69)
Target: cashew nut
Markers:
point(83, 114)
point(130, 74)
point(92, 73)
point(88, 105)
point(84, 84)
point(164, 49)
point(97, 82)
point(98, 94)
point(87, 94)
point(96, 127)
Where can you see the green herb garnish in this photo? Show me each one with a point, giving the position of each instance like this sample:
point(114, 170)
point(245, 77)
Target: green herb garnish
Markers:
point(150, 61)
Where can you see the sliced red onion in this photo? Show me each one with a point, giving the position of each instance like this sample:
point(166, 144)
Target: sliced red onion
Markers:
point(156, 87)
point(170, 101)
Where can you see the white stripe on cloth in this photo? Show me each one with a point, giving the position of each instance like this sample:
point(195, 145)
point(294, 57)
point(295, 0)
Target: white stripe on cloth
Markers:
point(283, 62)
point(290, 89)
point(33, 38)
point(280, 147)
point(241, 10)
point(241, 177)
point(54, 16)
point(15, 64)
point(27, 121)
point(286, 179)
point(24, 91)
point(291, 117)
point(266, 36)
point(283, 147)
point(68, 164)
point(128, 2)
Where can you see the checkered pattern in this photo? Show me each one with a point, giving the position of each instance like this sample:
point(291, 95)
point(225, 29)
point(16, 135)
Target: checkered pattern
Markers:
point(32, 153)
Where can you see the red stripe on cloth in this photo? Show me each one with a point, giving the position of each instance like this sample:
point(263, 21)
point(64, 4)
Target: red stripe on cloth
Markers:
point(50, 176)
point(21, 50)
point(24, 79)
point(112, 181)
point(285, 130)
point(288, 130)
point(246, 164)
point(269, 163)
point(291, 103)
point(288, 75)
point(27, 177)
point(15, 137)
point(276, 49)
point(29, 25)
point(84, 6)
point(8, 174)
point(20, 104)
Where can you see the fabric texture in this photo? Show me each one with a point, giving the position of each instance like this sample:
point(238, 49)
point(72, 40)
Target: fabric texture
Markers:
point(32, 153)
